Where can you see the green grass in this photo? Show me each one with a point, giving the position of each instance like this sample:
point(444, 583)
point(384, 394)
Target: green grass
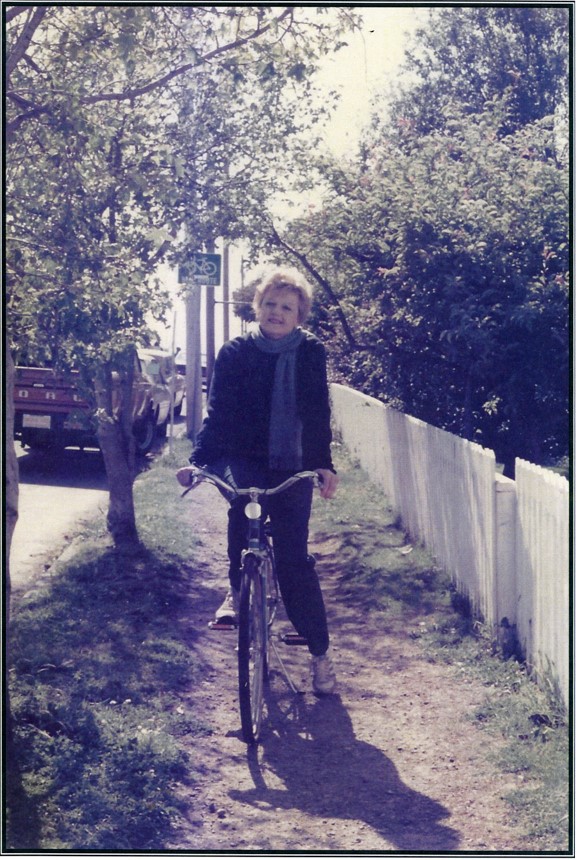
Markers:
point(380, 568)
point(98, 656)
point(99, 653)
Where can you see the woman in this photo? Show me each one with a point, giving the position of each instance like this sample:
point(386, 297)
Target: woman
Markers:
point(268, 417)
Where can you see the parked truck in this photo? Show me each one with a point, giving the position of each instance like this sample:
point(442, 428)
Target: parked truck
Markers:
point(51, 413)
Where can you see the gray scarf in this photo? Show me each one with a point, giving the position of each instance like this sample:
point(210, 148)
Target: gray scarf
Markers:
point(284, 444)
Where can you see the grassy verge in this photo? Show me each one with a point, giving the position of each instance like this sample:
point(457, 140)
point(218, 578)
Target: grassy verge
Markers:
point(98, 654)
point(100, 649)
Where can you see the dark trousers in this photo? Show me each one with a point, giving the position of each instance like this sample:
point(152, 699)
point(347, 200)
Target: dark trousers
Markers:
point(289, 514)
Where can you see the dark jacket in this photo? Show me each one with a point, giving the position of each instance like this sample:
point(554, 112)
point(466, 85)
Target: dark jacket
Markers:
point(238, 414)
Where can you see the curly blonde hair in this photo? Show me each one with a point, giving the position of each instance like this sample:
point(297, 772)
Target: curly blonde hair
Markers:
point(290, 279)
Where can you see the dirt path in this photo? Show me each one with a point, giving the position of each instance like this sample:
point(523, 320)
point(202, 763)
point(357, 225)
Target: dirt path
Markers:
point(389, 764)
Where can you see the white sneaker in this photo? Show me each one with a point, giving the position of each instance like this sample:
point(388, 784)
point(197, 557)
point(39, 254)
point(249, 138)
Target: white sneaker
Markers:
point(324, 678)
point(227, 612)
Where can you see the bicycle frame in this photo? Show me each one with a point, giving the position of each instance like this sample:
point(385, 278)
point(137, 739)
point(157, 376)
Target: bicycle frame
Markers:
point(258, 598)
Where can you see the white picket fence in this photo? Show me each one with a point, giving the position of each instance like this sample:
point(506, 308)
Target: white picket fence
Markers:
point(504, 543)
point(543, 571)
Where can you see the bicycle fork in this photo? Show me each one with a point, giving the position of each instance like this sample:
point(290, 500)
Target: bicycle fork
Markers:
point(253, 512)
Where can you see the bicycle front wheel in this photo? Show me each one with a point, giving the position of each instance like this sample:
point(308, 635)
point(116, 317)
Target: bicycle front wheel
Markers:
point(252, 636)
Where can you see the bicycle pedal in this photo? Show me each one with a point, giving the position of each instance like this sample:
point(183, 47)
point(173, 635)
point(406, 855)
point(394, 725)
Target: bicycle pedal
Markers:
point(219, 625)
point(293, 639)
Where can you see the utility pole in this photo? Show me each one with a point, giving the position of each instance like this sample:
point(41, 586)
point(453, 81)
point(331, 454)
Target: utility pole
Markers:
point(225, 292)
point(193, 361)
point(203, 270)
point(210, 342)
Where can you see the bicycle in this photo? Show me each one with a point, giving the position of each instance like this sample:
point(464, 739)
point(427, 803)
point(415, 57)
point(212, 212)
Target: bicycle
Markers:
point(259, 597)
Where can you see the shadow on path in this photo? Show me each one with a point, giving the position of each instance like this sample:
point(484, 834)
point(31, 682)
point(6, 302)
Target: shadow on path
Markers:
point(328, 772)
point(68, 468)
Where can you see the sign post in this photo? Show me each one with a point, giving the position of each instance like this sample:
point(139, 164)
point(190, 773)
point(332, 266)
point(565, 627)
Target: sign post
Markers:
point(193, 362)
point(203, 270)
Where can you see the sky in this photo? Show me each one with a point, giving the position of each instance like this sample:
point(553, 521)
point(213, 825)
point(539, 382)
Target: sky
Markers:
point(365, 67)
point(358, 71)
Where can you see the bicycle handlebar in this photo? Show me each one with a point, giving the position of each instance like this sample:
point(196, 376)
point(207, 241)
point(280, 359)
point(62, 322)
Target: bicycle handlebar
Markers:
point(202, 475)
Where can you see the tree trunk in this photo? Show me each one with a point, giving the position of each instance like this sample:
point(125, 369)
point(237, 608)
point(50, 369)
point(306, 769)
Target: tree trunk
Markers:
point(11, 497)
point(117, 445)
point(11, 470)
point(121, 520)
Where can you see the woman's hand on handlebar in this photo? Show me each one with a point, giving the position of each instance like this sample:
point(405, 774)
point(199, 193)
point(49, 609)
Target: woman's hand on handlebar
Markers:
point(184, 475)
point(327, 487)
point(329, 483)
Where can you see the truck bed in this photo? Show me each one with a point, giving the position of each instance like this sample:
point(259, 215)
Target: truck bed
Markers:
point(40, 390)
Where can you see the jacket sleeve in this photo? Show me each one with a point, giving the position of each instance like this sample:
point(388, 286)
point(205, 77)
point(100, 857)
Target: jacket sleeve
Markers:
point(316, 411)
point(211, 441)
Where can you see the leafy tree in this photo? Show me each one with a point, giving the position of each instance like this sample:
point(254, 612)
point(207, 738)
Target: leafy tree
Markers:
point(468, 55)
point(125, 124)
point(441, 252)
point(234, 167)
point(243, 298)
point(450, 262)
point(82, 244)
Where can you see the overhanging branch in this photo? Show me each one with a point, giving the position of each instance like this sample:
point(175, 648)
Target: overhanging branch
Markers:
point(132, 94)
point(328, 290)
point(25, 37)
point(153, 85)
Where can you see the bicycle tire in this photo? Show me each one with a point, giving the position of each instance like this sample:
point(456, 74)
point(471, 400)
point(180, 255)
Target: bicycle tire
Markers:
point(252, 640)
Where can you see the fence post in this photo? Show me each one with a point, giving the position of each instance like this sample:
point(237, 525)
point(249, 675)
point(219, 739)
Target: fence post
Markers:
point(505, 539)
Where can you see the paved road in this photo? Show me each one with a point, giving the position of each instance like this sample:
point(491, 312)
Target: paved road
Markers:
point(55, 495)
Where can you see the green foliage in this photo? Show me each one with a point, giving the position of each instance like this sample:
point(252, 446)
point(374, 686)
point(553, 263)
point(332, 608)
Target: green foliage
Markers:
point(243, 297)
point(467, 56)
point(84, 223)
point(126, 126)
point(450, 259)
point(133, 139)
point(441, 250)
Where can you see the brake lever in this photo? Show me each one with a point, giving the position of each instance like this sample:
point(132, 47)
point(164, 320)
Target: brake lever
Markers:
point(194, 483)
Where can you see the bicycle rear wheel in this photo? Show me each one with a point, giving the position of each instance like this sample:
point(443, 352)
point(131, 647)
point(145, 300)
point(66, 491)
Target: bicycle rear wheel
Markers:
point(252, 639)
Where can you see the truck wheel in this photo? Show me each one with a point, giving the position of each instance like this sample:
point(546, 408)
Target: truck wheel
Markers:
point(144, 432)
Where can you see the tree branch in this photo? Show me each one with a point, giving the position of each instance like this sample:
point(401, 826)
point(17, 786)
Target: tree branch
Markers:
point(323, 283)
point(25, 37)
point(14, 11)
point(129, 95)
